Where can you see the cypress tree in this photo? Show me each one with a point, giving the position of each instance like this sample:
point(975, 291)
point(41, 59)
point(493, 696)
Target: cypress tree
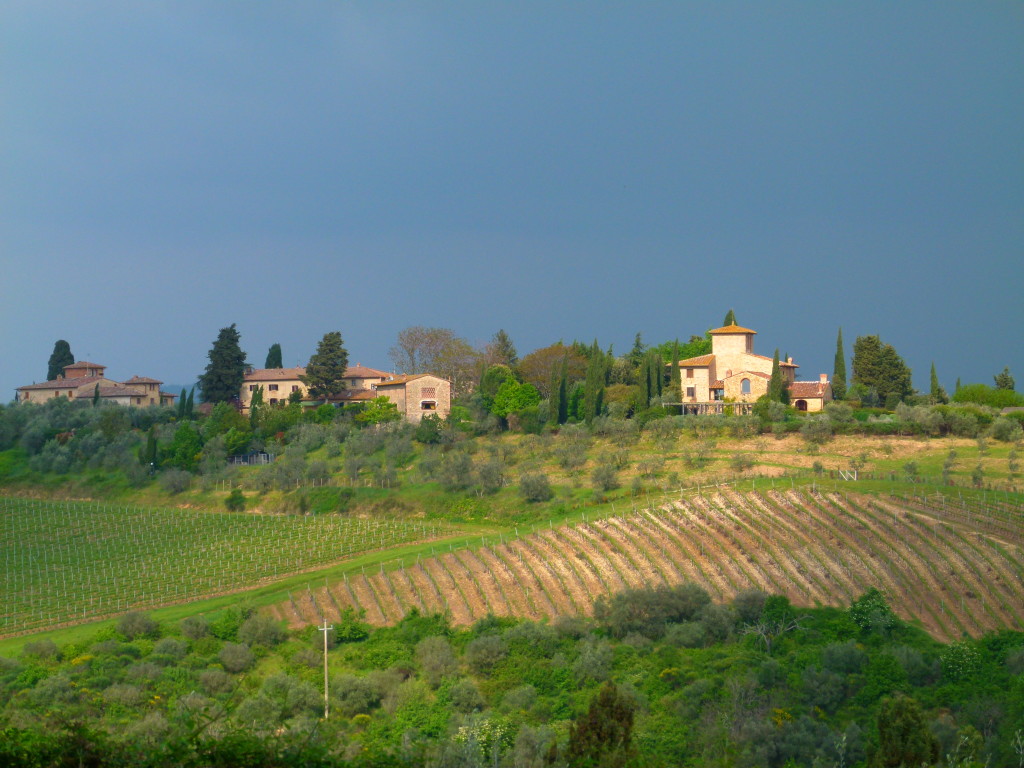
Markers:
point(182, 404)
point(730, 318)
point(274, 357)
point(222, 380)
point(957, 385)
point(604, 735)
point(151, 448)
point(325, 373)
point(96, 396)
point(675, 376)
point(593, 388)
point(59, 358)
point(778, 389)
point(839, 370)
point(190, 404)
point(935, 388)
point(563, 391)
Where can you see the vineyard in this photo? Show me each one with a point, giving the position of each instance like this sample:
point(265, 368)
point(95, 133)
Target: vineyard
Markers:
point(955, 566)
point(71, 561)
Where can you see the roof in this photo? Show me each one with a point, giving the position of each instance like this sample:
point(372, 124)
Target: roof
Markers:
point(717, 385)
point(274, 374)
point(78, 381)
point(731, 329)
point(402, 380)
point(782, 363)
point(84, 364)
point(351, 395)
point(119, 390)
point(697, 362)
point(142, 380)
point(359, 371)
point(806, 389)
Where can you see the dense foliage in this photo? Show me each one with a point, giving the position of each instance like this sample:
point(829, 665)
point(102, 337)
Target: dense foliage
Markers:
point(691, 684)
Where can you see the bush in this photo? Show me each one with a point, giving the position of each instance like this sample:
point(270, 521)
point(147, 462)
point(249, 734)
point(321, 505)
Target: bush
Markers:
point(261, 630)
point(605, 478)
point(135, 624)
point(436, 658)
point(1007, 430)
point(195, 627)
point(594, 663)
point(216, 681)
point(535, 487)
point(484, 653)
point(648, 611)
point(235, 502)
point(817, 429)
point(236, 657)
point(175, 481)
point(749, 605)
point(42, 649)
point(465, 697)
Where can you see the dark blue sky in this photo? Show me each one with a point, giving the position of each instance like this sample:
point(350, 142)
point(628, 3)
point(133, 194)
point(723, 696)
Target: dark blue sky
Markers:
point(560, 170)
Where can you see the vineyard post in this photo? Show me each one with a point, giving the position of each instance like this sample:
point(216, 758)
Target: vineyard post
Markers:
point(325, 629)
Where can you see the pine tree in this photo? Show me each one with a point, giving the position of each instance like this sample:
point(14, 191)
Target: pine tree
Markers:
point(222, 381)
point(778, 387)
point(675, 375)
point(1004, 380)
point(636, 354)
point(325, 373)
point(730, 318)
point(502, 350)
point(839, 370)
point(593, 388)
point(59, 358)
point(274, 357)
point(603, 737)
point(877, 366)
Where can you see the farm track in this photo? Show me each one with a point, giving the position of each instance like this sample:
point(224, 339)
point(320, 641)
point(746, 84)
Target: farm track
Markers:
point(816, 548)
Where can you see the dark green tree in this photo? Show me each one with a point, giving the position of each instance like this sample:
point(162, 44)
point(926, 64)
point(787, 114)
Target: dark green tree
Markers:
point(494, 376)
point(190, 404)
point(1004, 380)
point(603, 737)
point(593, 387)
point(636, 354)
point(501, 350)
point(148, 452)
point(877, 366)
point(60, 357)
point(938, 394)
point(182, 404)
point(274, 357)
point(957, 387)
point(222, 381)
point(730, 318)
point(778, 387)
point(839, 370)
point(95, 395)
point(559, 403)
point(326, 369)
point(675, 380)
point(905, 741)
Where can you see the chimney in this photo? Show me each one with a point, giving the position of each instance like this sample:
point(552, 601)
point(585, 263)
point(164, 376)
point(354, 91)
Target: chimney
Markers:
point(823, 378)
point(789, 359)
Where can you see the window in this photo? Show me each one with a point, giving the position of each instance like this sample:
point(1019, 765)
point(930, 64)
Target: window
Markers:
point(252, 387)
point(295, 387)
point(691, 392)
point(745, 386)
point(428, 392)
point(138, 401)
point(689, 373)
point(273, 401)
point(272, 388)
point(428, 405)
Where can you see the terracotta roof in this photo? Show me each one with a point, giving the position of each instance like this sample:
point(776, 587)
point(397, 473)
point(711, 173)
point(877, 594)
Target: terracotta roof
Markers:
point(78, 381)
point(351, 395)
point(119, 390)
point(358, 371)
point(84, 364)
point(718, 385)
point(696, 362)
point(142, 380)
point(274, 374)
point(782, 363)
point(167, 394)
point(401, 380)
point(731, 329)
point(805, 389)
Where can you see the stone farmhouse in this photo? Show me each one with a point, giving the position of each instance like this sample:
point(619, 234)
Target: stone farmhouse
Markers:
point(80, 381)
point(413, 395)
point(734, 374)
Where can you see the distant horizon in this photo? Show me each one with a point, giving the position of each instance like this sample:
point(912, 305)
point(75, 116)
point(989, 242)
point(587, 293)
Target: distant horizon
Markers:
point(366, 167)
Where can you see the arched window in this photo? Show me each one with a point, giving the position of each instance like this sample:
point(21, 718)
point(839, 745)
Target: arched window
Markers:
point(801, 405)
point(745, 386)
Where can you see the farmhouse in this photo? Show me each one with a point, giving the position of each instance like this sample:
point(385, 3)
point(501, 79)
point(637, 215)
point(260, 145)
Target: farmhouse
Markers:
point(412, 395)
point(734, 373)
point(84, 380)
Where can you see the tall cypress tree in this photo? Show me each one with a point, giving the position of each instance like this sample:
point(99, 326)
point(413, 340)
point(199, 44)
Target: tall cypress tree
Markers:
point(222, 381)
point(778, 388)
point(59, 358)
point(675, 376)
point(839, 370)
point(593, 388)
point(936, 392)
point(730, 318)
point(190, 404)
point(274, 357)
point(325, 373)
point(563, 391)
point(182, 404)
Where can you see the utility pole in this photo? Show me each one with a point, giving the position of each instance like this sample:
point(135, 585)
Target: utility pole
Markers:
point(327, 707)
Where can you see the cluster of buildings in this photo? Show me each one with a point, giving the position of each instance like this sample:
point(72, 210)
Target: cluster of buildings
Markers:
point(732, 376)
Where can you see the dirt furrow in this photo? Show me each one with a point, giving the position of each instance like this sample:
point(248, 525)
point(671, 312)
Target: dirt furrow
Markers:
point(629, 573)
point(406, 592)
point(588, 574)
point(433, 602)
point(546, 581)
point(480, 599)
point(711, 575)
point(367, 600)
point(605, 568)
point(638, 550)
point(327, 605)
point(639, 529)
point(488, 581)
point(462, 614)
point(510, 580)
point(714, 539)
point(572, 581)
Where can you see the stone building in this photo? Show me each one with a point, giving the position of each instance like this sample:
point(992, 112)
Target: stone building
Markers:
point(84, 380)
point(418, 395)
point(734, 373)
point(279, 383)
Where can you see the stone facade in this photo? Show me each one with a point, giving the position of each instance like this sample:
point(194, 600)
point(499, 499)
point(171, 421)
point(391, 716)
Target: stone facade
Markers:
point(418, 396)
point(81, 380)
point(279, 383)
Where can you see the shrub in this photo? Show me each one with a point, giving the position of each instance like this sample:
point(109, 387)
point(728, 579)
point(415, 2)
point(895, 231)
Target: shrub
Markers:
point(465, 697)
point(749, 605)
point(236, 657)
point(436, 658)
point(355, 695)
point(484, 653)
point(817, 429)
point(175, 481)
point(135, 624)
point(605, 477)
point(647, 611)
point(261, 630)
point(870, 612)
point(1007, 430)
point(42, 649)
point(688, 634)
point(171, 647)
point(235, 502)
point(195, 627)
point(960, 660)
point(216, 681)
point(534, 487)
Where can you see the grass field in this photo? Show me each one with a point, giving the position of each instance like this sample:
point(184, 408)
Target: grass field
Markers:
point(72, 561)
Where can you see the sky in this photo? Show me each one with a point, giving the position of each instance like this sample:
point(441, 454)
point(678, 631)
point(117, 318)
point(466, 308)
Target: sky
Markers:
point(561, 170)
